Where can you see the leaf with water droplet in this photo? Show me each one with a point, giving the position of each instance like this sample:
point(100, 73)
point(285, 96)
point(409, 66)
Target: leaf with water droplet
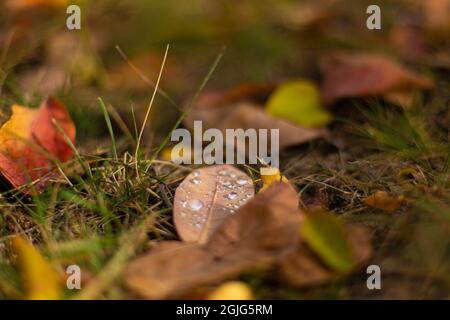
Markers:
point(197, 211)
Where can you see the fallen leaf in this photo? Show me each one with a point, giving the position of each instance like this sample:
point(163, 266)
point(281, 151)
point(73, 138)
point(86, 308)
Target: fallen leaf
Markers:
point(299, 102)
point(302, 268)
point(265, 228)
point(40, 280)
point(232, 290)
point(324, 233)
point(25, 136)
point(363, 75)
point(382, 200)
point(243, 108)
point(261, 232)
point(206, 197)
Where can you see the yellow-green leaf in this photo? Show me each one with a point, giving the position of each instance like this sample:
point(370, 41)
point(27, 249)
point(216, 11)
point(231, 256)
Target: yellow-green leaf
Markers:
point(324, 233)
point(40, 280)
point(299, 101)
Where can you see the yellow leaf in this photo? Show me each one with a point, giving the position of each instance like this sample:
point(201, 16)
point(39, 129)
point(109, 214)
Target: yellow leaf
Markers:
point(271, 175)
point(325, 234)
point(232, 290)
point(299, 101)
point(40, 280)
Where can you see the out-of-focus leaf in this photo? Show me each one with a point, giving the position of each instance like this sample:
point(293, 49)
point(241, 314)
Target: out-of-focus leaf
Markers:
point(364, 75)
point(299, 102)
point(232, 290)
point(40, 280)
point(30, 4)
point(382, 200)
point(208, 196)
point(303, 269)
point(325, 234)
point(242, 108)
point(26, 138)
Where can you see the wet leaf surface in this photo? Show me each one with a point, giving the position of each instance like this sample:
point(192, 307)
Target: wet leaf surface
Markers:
point(207, 197)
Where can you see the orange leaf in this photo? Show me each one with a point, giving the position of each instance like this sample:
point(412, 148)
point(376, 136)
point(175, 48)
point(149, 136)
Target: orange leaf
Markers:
point(40, 280)
point(29, 138)
point(382, 200)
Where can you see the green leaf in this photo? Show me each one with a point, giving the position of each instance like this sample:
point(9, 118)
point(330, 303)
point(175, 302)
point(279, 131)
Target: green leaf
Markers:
point(299, 101)
point(325, 235)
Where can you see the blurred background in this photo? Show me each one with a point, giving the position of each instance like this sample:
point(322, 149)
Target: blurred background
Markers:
point(263, 42)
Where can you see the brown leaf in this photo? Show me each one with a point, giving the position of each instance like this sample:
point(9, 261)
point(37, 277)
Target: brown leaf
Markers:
point(242, 107)
point(206, 198)
point(382, 200)
point(363, 75)
point(263, 230)
point(265, 226)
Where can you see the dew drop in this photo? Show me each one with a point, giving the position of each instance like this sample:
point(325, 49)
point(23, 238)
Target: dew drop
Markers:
point(194, 204)
point(195, 181)
point(241, 182)
point(232, 195)
point(223, 173)
point(196, 173)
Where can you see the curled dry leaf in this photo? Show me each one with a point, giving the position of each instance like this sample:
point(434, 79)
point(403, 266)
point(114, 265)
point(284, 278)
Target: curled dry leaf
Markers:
point(362, 75)
point(206, 198)
point(262, 231)
point(243, 107)
point(382, 200)
point(40, 280)
point(29, 139)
